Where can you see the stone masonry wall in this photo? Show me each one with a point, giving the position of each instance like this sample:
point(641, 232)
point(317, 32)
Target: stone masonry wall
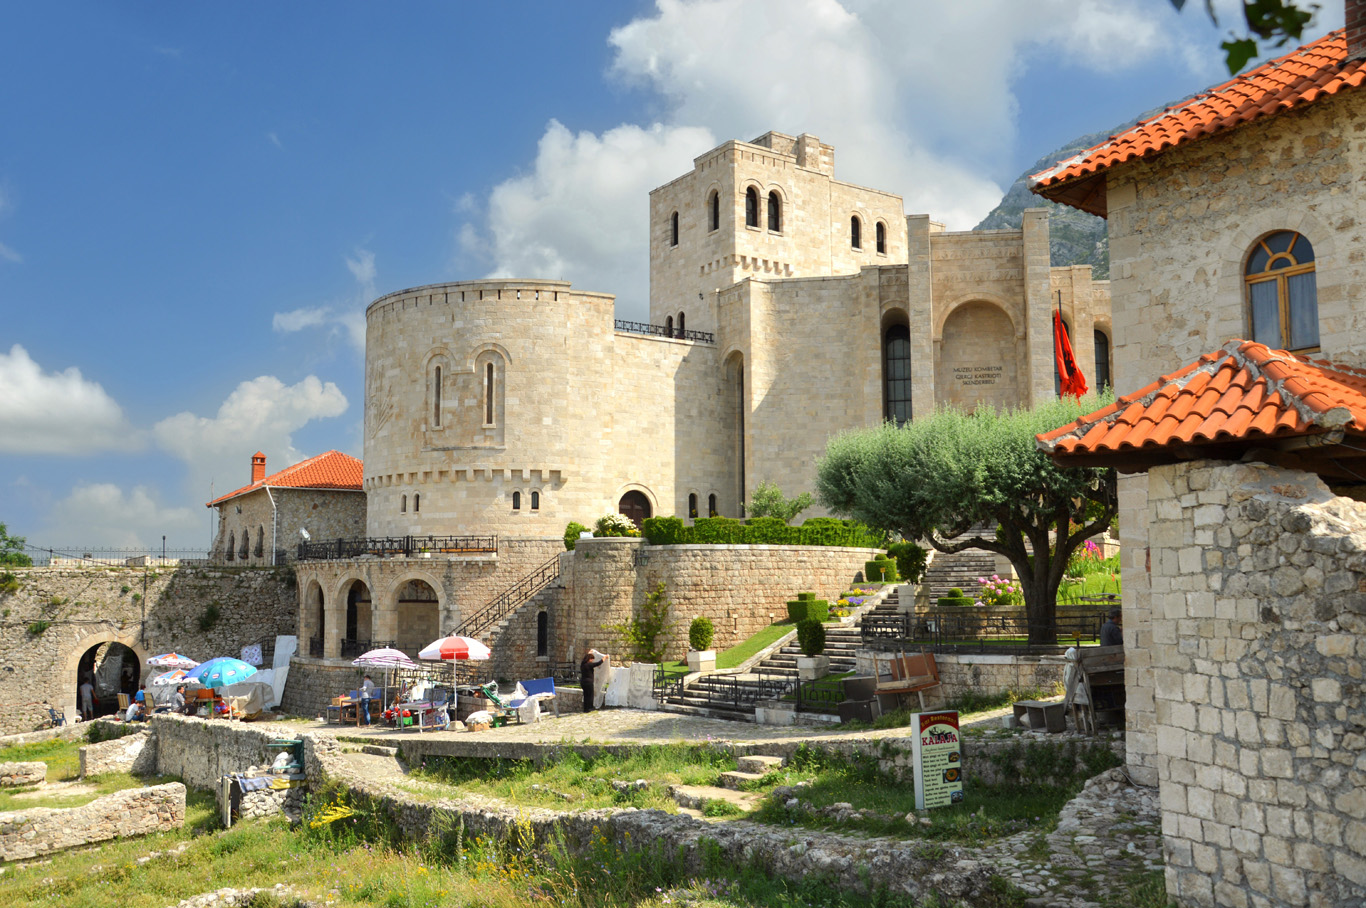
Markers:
point(1258, 613)
point(149, 611)
point(314, 682)
point(201, 751)
point(17, 775)
point(136, 754)
point(742, 588)
point(988, 674)
point(26, 834)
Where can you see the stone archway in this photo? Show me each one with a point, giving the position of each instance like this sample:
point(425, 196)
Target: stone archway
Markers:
point(978, 359)
point(418, 609)
point(356, 634)
point(130, 653)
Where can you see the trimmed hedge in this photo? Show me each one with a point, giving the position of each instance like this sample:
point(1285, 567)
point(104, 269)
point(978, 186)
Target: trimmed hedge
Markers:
point(811, 637)
point(880, 570)
point(955, 599)
point(700, 633)
point(827, 531)
point(807, 607)
point(910, 561)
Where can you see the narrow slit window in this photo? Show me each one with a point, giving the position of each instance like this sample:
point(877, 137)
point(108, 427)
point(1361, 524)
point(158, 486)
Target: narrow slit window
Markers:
point(855, 233)
point(881, 238)
point(692, 505)
point(417, 503)
point(403, 504)
point(436, 397)
point(488, 394)
point(711, 506)
point(669, 325)
point(535, 501)
point(751, 207)
point(681, 324)
point(715, 204)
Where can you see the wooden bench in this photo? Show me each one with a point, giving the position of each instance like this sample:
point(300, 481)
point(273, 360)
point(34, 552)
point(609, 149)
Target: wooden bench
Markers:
point(1096, 685)
point(1051, 715)
point(908, 673)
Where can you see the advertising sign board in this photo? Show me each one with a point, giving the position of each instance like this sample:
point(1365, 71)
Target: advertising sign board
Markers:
point(937, 751)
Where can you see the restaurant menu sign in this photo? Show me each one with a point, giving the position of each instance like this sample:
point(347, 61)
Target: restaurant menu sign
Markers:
point(938, 755)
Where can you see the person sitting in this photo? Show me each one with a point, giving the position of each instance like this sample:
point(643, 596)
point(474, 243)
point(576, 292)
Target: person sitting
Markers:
point(1112, 631)
point(135, 712)
point(177, 704)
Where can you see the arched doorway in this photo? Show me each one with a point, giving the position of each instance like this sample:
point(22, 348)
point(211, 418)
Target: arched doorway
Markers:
point(313, 620)
point(356, 638)
point(419, 616)
point(978, 359)
point(635, 507)
point(113, 669)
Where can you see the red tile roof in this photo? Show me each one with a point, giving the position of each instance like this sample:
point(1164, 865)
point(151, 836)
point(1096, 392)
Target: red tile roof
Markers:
point(1231, 399)
point(333, 470)
point(1301, 77)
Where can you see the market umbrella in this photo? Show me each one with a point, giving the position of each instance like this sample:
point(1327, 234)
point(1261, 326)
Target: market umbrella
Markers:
point(222, 671)
point(173, 679)
point(385, 657)
point(171, 660)
point(454, 648)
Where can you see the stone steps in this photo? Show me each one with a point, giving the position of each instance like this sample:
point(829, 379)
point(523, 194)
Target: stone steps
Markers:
point(760, 764)
point(735, 778)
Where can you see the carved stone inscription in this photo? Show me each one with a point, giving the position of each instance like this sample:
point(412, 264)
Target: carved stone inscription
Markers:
point(977, 359)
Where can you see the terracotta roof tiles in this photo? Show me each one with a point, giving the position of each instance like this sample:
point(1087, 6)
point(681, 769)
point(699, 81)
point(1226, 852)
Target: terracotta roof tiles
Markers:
point(332, 470)
point(1242, 393)
point(1305, 75)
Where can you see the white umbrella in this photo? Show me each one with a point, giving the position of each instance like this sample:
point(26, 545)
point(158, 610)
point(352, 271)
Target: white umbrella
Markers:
point(172, 660)
point(454, 647)
point(385, 657)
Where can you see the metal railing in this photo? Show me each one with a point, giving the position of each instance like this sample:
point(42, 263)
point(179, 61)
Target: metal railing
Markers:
point(949, 632)
point(511, 599)
point(743, 693)
point(394, 546)
point(79, 556)
point(350, 649)
point(705, 337)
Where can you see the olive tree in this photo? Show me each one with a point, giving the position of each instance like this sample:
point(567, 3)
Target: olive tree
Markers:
point(937, 478)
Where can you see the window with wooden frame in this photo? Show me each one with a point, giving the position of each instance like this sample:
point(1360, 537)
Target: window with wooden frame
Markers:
point(1282, 295)
point(751, 207)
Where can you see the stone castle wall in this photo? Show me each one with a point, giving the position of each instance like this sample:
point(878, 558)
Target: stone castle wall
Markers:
point(742, 589)
point(32, 833)
point(1181, 228)
point(325, 514)
point(1258, 579)
point(75, 610)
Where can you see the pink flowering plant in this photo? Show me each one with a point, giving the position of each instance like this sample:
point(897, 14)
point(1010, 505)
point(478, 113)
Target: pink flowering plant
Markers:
point(997, 591)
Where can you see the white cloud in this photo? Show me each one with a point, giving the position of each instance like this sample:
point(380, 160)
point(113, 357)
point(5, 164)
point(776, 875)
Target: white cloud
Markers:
point(260, 414)
point(57, 412)
point(916, 98)
point(346, 316)
point(9, 254)
point(274, 140)
point(102, 514)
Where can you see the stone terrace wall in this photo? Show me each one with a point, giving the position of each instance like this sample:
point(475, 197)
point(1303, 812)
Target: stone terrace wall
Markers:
point(85, 607)
point(312, 684)
point(741, 588)
point(988, 674)
point(1258, 614)
point(136, 754)
point(16, 775)
point(201, 751)
point(31, 833)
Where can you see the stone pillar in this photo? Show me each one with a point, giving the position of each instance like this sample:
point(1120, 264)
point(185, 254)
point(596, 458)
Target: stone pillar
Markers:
point(1037, 376)
point(920, 314)
point(1140, 740)
point(336, 624)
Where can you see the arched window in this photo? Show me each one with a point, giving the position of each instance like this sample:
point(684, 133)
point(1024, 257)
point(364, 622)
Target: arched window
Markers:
point(775, 212)
point(417, 502)
point(1102, 360)
point(535, 501)
point(403, 504)
point(673, 229)
point(692, 505)
point(751, 207)
point(896, 371)
point(516, 501)
point(488, 394)
point(855, 232)
point(260, 542)
point(232, 546)
point(682, 324)
point(246, 545)
point(881, 238)
point(711, 505)
point(1282, 292)
point(436, 397)
point(542, 634)
point(714, 202)
point(669, 325)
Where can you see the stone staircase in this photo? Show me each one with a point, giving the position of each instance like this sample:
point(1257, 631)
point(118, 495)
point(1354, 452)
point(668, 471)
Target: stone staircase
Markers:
point(959, 570)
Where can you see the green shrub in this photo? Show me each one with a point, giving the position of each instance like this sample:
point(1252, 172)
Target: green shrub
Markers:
point(571, 534)
point(880, 570)
point(665, 531)
point(209, 618)
point(9, 583)
point(646, 635)
point(700, 633)
point(823, 531)
point(718, 531)
point(614, 525)
point(37, 628)
point(955, 599)
point(811, 637)
point(955, 592)
point(807, 606)
point(910, 561)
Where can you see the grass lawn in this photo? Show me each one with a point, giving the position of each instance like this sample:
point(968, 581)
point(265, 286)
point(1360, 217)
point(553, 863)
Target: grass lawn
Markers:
point(63, 757)
point(741, 652)
point(1092, 585)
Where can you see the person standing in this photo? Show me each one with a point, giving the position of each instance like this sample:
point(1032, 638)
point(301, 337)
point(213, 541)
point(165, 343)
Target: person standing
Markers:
point(87, 691)
point(367, 692)
point(587, 670)
point(1112, 631)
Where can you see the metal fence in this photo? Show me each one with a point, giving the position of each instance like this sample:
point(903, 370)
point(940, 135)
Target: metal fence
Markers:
point(392, 546)
point(89, 556)
point(957, 631)
point(705, 337)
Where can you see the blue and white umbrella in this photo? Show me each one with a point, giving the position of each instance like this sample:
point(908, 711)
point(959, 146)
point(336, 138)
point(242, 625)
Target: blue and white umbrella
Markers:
point(172, 660)
point(222, 671)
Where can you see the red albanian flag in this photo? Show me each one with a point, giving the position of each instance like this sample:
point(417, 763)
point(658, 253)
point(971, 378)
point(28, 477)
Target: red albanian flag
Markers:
point(1070, 377)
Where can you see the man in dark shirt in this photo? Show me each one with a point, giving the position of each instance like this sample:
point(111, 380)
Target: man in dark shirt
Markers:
point(1112, 631)
point(587, 669)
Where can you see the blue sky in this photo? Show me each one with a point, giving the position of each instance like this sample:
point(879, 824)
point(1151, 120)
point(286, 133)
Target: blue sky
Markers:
point(197, 201)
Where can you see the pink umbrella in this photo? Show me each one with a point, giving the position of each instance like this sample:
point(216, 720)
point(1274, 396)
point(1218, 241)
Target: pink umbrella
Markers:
point(454, 647)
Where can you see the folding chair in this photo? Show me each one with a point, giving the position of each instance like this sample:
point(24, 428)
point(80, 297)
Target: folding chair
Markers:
point(538, 690)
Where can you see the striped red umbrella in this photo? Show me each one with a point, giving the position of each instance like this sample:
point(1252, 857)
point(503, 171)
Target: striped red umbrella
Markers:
point(454, 647)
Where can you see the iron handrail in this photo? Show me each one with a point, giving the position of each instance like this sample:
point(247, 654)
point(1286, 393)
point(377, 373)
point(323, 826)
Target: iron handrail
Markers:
point(705, 337)
point(337, 549)
point(948, 632)
point(510, 599)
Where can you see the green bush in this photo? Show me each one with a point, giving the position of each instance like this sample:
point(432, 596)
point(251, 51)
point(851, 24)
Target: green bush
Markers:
point(910, 561)
point(700, 633)
point(614, 525)
point(811, 637)
point(955, 599)
point(209, 618)
point(37, 628)
point(571, 534)
point(825, 531)
point(807, 607)
point(880, 570)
